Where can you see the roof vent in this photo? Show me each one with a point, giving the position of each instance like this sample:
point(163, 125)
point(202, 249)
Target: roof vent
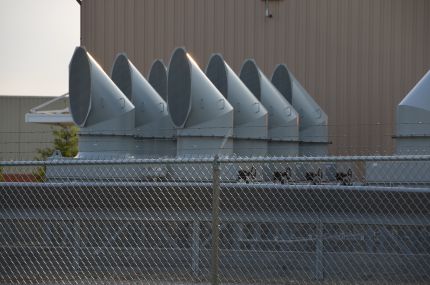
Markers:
point(201, 114)
point(313, 131)
point(250, 116)
point(157, 77)
point(104, 113)
point(153, 128)
point(283, 120)
point(413, 120)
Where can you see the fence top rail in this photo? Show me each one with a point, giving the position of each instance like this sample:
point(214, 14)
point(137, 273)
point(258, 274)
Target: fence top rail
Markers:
point(206, 185)
point(326, 158)
point(230, 159)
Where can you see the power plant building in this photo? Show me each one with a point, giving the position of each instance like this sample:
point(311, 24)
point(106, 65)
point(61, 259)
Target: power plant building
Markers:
point(212, 142)
point(356, 58)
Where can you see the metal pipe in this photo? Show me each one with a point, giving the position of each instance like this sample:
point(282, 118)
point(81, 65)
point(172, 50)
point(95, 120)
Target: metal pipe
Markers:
point(215, 221)
point(209, 159)
point(228, 186)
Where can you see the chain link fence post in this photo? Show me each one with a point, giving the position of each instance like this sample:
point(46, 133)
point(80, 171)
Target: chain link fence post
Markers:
point(319, 251)
point(77, 245)
point(215, 220)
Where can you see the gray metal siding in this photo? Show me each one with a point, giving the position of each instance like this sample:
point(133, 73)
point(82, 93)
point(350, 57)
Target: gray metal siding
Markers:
point(18, 139)
point(358, 58)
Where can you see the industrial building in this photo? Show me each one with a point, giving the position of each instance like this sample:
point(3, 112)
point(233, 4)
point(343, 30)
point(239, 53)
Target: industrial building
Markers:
point(206, 128)
point(20, 140)
point(356, 58)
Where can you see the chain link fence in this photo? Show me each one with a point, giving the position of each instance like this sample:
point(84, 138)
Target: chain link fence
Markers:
point(343, 220)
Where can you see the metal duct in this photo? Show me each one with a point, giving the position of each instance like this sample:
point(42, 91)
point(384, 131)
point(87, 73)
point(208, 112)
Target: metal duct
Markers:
point(413, 137)
point(157, 77)
point(250, 116)
point(313, 131)
point(283, 119)
point(201, 114)
point(413, 120)
point(153, 128)
point(104, 113)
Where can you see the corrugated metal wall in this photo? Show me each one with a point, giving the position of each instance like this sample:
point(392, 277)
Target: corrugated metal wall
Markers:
point(358, 58)
point(18, 139)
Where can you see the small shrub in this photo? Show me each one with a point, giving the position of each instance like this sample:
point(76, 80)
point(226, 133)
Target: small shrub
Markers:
point(65, 140)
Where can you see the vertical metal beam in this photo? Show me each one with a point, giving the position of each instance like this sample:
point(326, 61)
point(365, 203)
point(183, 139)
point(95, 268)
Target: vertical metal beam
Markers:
point(239, 236)
point(215, 221)
point(77, 245)
point(47, 232)
point(195, 247)
point(370, 239)
point(319, 247)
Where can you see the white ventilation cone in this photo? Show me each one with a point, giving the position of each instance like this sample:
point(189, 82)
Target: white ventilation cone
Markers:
point(413, 120)
point(250, 116)
point(104, 114)
point(313, 131)
point(157, 77)
point(154, 131)
point(201, 114)
point(283, 119)
point(413, 137)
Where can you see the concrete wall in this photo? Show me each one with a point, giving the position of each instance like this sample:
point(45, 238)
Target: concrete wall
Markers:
point(358, 58)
